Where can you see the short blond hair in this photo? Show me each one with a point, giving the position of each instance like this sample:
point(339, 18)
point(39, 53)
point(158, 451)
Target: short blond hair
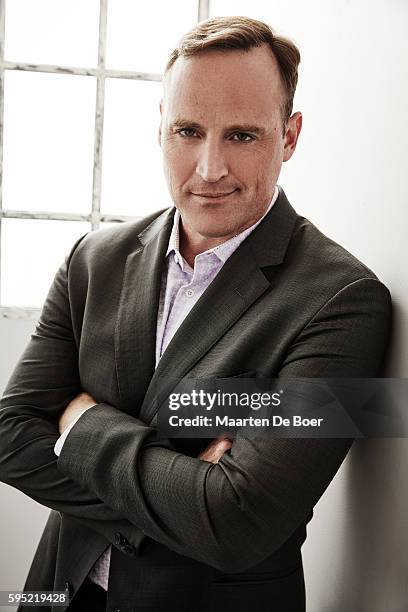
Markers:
point(244, 33)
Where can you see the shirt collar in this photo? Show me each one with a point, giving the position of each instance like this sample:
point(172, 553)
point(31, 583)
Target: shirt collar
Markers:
point(224, 250)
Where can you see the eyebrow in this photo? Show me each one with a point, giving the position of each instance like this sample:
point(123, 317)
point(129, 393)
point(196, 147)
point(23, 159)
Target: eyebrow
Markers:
point(238, 127)
point(183, 123)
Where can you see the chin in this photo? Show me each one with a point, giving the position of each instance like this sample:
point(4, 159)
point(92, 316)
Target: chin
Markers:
point(215, 231)
point(215, 223)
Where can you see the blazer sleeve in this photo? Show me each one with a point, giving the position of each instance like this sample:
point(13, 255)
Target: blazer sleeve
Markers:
point(42, 384)
point(233, 514)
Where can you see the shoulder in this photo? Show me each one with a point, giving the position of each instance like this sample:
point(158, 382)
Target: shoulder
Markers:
point(316, 255)
point(316, 271)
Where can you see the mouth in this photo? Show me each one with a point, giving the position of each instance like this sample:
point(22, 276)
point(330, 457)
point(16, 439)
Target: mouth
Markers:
point(214, 196)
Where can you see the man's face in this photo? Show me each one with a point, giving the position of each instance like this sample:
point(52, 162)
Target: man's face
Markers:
point(223, 140)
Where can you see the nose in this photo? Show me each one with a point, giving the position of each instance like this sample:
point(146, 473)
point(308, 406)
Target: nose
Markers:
point(211, 164)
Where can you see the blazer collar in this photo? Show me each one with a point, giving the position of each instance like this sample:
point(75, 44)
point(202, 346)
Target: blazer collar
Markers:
point(135, 334)
point(270, 240)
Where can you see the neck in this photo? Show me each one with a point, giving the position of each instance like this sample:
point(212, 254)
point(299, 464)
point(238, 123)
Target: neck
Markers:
point(192, 245)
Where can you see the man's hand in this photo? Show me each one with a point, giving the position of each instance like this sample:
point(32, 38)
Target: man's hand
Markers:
point(83, 401)
point(216, 449)
point(77, 406)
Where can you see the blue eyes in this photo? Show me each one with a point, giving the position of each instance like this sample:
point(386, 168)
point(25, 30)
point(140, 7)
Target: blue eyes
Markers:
point(237, 137)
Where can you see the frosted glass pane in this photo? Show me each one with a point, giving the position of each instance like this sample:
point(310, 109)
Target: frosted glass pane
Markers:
point(48, 141)
point(52, 32)
point(32, 251)
point(132, 176)
point(141, 35)
point(106, 224)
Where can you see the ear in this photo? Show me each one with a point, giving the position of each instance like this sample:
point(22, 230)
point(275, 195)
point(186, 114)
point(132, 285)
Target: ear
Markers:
point(292, 131)
point(161, 121)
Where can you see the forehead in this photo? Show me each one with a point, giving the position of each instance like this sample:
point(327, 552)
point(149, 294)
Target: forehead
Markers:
point(242, 84)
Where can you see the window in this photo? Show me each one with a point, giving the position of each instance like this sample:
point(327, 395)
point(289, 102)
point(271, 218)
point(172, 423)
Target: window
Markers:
point(80, 85)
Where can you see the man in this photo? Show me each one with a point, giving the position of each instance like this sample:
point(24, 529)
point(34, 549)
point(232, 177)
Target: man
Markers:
point(233, 282)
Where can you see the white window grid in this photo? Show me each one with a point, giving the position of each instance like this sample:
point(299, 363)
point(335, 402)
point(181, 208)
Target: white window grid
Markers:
point(95, 217)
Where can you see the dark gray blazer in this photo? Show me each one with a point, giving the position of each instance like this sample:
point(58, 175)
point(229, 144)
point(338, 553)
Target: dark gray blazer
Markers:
point(186, 534)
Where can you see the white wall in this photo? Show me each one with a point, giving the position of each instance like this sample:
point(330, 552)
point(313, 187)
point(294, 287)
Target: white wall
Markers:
point(349, 176)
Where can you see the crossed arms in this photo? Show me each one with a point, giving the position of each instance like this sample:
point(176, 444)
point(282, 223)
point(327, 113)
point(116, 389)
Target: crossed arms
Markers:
point(116, 473)
point(83, 401)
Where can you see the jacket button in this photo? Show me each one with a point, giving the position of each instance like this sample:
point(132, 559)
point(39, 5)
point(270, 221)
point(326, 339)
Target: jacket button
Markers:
point(129, 549)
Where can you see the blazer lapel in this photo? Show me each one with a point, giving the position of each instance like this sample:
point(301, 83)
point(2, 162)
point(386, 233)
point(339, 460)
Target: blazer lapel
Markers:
point(239, 283)
point(135, 337)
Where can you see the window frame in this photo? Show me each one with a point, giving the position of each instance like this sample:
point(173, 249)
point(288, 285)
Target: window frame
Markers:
point(94, 217)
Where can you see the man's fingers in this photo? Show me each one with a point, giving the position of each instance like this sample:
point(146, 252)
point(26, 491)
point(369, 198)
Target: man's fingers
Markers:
point(216, 449)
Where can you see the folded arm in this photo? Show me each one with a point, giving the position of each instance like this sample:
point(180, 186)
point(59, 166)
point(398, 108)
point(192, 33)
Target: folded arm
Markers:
point(44, 381)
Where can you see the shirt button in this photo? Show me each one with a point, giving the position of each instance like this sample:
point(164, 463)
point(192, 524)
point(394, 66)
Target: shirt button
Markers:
point(189, 293)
